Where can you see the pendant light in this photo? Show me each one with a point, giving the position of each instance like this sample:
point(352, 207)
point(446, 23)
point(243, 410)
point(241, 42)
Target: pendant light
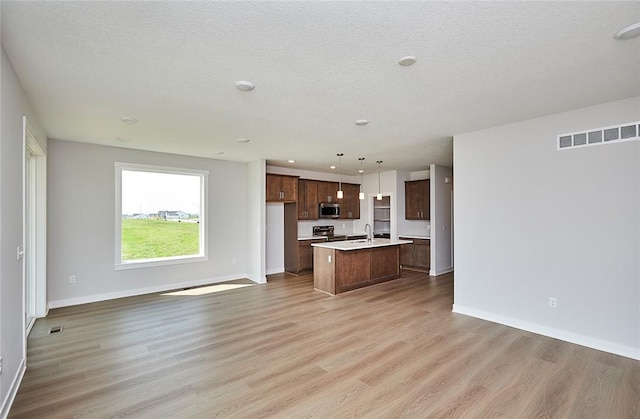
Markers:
point(361, 171)
point(379, 196)
point(340, 194)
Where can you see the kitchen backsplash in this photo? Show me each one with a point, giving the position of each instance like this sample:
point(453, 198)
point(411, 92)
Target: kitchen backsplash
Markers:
point(305, 228)
point(411, 228)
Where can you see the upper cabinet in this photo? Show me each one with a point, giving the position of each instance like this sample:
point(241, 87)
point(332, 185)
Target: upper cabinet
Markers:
point(312, 192)
point(307, 199)
point(416, 195)
point(350, 204)
point(327, 191)
point(282, 188)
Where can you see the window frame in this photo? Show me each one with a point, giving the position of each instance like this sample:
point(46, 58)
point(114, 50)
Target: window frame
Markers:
point(202, 256)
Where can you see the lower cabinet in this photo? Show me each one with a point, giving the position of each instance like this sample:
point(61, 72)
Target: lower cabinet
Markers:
point(360, 268)
point(305, 254)
point(416, 255)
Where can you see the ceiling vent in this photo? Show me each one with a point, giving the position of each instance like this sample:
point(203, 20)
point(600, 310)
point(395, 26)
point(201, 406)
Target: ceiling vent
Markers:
point(607, 135)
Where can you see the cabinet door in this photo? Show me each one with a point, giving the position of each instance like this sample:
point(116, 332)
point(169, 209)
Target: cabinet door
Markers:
point(421, 256)
point(406, 254)
point(302, 202)
point(425, 199)
point(350, 208)
point(412, 203)
point(353, 269)
point(327, 191)
point(305, 256)
point(273, 188)
point(281, 188)
point(416, 195)
point(289, 188)
point(311, 199)
point(384, 263)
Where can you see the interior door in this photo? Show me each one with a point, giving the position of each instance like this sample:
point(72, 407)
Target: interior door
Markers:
point(29, 243)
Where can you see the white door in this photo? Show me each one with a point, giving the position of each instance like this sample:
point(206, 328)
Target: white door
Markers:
point(29, 244)
point(34, 229)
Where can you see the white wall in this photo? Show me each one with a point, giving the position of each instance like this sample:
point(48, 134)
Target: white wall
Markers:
point(532, 223)
point(81, 207)
point(14, 105)
point(441, 222)
point(275, 238)
point(256, 221)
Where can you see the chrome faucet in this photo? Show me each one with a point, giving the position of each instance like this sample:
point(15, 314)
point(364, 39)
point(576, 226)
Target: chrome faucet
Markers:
point(370, 234)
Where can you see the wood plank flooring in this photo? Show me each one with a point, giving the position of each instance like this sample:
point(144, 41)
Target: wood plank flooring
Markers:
point(284, 350)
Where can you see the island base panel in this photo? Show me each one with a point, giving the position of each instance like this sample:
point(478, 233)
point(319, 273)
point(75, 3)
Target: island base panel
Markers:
point(323, 270)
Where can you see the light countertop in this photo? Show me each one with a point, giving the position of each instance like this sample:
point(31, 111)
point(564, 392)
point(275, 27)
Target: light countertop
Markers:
point(413, 236)
point(312, 238)
point(360, 244)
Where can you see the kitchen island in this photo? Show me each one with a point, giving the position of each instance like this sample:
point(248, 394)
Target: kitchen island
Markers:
point(346, 265)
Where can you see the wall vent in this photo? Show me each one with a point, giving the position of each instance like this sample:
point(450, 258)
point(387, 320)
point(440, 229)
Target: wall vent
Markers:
point(606, 135)
point(55, 329)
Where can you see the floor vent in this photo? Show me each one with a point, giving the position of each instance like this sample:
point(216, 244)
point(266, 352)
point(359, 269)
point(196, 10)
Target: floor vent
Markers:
point(55, 329)
point(607, 135)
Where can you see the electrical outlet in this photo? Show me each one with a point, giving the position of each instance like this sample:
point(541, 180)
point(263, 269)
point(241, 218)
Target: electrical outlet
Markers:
point(329, 258)
point(553, 302)
point(233, 261)
point(72, 279)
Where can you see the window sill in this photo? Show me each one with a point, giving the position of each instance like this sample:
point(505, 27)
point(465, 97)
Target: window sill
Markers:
point(151, 263)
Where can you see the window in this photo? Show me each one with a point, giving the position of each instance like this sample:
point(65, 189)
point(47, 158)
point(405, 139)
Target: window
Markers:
point(160, 215)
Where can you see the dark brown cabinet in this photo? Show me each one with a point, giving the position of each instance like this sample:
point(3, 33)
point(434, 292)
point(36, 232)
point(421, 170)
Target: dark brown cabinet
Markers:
point(350, 204)
point(327, 191)
point(336, 271)
point(416, 195)
point(282, 188)
point(305, 254)
point(355, 269)
point(416, 255)
point(307, 199)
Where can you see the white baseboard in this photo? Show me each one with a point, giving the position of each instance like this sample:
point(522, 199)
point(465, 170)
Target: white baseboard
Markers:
point(13, 390)
point(140, 291)
point(440, 271)
point(258, 280)
point(589, 342)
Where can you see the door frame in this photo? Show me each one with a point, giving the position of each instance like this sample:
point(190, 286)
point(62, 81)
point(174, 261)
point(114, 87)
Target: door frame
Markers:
point(36, 242)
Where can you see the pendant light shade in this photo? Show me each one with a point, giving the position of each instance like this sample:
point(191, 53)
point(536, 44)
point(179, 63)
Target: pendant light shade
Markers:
point(379, 195)
point(361, 194)
point(340, 194)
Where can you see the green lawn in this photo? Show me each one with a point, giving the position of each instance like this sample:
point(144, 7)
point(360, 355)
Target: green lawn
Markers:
point(145, 239)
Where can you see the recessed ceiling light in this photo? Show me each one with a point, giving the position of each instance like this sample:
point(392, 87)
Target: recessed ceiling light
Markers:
point(361, 122)
point(242, 140)
point(217, 153)
point(291, 161)
point(332, 167)
point(122, 139)
point(631, 31)
point(128, 120)
point(245, 86)
point(406, 61)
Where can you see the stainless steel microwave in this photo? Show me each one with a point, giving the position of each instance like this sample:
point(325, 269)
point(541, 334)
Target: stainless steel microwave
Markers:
point(328, 210)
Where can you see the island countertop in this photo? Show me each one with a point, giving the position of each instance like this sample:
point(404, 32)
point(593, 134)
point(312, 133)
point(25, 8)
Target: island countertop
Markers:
point(360, 244)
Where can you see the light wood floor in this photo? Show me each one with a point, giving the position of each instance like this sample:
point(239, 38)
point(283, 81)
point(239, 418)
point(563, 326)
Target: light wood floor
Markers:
point(285, 350)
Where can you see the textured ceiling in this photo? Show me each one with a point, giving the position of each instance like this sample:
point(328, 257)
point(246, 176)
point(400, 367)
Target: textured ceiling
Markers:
point(317, 67)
